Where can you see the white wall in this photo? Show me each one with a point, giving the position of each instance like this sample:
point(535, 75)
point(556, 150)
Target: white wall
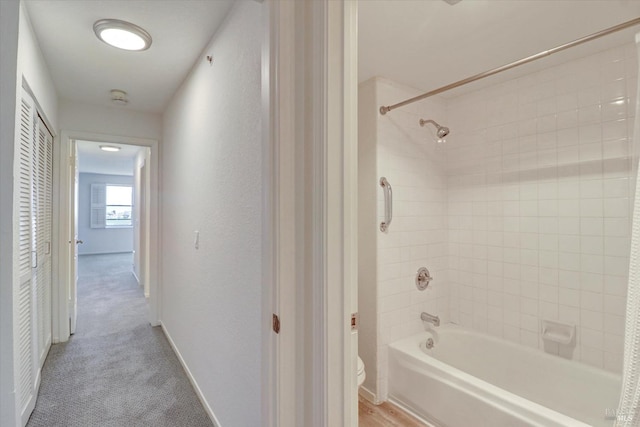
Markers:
point(100, 240)
point(367, 224)
point(21, 59)
point(9, 19)
point(408, 156)
point(211, 182)
point(33, 68)
point(120, 121)
point(533, 186)
point(539, 223)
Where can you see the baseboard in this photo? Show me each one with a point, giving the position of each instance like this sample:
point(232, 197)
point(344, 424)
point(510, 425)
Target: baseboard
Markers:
point(368, 395)
point(137, 279)
point(427, 422)
point(207, 408)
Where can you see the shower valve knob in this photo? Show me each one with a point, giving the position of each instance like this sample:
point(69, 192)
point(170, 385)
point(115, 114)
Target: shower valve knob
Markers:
point(423, 277)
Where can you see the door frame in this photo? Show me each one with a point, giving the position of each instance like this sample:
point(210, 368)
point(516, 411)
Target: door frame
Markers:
point(62, 217)
point(310, 204)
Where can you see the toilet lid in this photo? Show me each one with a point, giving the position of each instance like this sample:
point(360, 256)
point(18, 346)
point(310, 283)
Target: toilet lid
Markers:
point(360, 366)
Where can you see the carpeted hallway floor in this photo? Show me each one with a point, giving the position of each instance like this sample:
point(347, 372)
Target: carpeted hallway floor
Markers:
point(116, 370)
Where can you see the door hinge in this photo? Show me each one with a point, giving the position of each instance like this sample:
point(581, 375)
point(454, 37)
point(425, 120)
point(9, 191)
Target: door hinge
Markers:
point(276, 324)
point(355, 319)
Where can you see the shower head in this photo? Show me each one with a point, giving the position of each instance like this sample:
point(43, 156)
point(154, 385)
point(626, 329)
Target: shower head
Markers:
point(442, 131)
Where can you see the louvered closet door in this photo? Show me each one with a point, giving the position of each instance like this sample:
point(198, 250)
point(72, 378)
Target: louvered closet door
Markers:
point(48, 185)
point(34, 200)
point(43, 226)
point(25, 373)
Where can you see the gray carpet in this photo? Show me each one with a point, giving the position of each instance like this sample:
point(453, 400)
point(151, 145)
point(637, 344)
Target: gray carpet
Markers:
point(116, 370)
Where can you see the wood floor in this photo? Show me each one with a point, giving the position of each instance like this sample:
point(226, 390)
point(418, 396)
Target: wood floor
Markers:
point(385, 415)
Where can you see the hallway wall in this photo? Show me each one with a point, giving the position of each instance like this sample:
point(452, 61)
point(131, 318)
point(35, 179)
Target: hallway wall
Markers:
point(110, 121)
point(32, 67)
point(211, 182)
point(21, 59)
point(9, 12)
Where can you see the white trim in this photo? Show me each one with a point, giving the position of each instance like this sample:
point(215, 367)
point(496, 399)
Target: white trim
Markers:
point(319, 219)
point(269, 385)
point(350, 198)
point(313, 237)
point(340, 186)
point(56, 259)
point(192, 380)
point(286, 193)
point(409, 411)
point(61, 216)
point(366, 394)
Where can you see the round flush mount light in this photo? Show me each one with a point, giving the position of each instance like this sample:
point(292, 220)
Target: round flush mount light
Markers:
point(111, 148)
point(122, 34)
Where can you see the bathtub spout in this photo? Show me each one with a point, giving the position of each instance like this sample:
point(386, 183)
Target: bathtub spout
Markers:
point(435, 320)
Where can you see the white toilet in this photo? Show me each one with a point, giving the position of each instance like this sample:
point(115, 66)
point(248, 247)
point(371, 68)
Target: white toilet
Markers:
point(361, 374)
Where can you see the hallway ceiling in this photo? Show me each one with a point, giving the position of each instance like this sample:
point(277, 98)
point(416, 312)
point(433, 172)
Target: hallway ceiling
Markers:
point(428, 44)
point(84, 69)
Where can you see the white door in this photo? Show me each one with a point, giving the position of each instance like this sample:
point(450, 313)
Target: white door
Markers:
point(34, 160)
point(73, 241)
point(42, 188)
point(142, 228)
point(25, 377)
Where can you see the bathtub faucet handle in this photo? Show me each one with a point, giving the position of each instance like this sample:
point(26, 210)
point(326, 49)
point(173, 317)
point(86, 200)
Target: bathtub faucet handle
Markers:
point(426, 317)
point(423, 277)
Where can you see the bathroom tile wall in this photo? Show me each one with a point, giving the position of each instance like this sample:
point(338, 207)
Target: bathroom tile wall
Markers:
point(409, 157)
point(539, 178)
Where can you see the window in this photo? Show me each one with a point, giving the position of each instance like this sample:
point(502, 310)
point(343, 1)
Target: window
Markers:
point(119, 201)
point(111, 206)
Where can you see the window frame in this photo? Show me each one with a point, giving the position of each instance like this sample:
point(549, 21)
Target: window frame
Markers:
point(98, 208)
point(107, 206)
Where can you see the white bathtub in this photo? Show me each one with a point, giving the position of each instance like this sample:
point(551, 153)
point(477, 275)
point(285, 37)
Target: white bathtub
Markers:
point(470, 379)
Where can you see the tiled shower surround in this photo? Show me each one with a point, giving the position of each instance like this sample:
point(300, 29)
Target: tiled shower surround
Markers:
point(523, 215)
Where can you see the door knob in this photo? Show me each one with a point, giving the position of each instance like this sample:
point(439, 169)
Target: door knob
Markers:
point(79, 242)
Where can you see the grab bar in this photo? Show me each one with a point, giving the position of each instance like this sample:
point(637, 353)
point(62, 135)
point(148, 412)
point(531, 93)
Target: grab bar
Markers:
point(388, 204)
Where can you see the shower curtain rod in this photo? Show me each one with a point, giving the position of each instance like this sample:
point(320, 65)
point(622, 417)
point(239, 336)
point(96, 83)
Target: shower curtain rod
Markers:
point(636, 21)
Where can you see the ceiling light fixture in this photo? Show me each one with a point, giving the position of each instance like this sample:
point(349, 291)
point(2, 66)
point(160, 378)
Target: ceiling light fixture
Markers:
point(110, 148)
point(122, 34)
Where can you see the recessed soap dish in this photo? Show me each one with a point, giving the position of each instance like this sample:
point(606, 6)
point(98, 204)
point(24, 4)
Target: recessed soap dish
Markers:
point(562, 333)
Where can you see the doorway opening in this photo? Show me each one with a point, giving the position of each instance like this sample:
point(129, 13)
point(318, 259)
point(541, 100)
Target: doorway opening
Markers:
point(107, 205)
point(111, 222)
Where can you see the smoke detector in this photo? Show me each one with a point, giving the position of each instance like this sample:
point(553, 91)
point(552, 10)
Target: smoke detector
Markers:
point(452, 2)
point(119, 97)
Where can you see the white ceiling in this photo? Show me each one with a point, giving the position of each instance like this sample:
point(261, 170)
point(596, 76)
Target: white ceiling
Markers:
point(428, 44)
point(91, 159)
point(422, 43)
point(85, 69)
